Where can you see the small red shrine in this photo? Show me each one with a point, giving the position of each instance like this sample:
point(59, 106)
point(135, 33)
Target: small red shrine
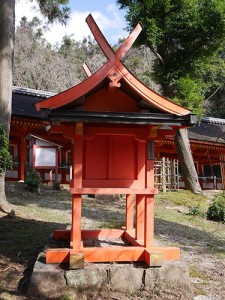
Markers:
point(112, 120)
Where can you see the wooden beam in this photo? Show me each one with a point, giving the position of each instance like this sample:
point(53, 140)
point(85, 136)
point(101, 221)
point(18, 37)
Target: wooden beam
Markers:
point(113, 191)
point(128, 42)
point(90, 233)
point(100, 39)
point(87, 70)
point(111, 254)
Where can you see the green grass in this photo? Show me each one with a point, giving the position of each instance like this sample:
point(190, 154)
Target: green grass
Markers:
point(194, 273)
point(183, 198)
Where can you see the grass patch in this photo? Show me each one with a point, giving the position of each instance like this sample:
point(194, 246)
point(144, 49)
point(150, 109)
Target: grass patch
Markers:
point(112, 224)
point(196, 203)
point(199, 291)
point(194, 273)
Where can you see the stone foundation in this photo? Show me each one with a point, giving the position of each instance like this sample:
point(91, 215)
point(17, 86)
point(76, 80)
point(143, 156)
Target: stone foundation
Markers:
point(52, 281)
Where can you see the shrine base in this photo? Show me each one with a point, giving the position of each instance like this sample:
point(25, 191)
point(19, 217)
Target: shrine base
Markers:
point(128, 250)
point(56, 280)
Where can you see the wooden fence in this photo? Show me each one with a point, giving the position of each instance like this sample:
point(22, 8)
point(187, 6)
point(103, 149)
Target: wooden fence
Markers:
point(166, 173)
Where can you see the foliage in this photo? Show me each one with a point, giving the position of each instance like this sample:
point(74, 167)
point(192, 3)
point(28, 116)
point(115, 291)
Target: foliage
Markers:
point(185, 36)
point(216, 211)
point(55, 10)
point(195, 210)
point(33, 180)
point(5, 157)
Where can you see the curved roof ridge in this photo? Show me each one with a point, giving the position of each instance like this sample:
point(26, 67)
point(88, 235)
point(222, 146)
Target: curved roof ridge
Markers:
point(32, 92)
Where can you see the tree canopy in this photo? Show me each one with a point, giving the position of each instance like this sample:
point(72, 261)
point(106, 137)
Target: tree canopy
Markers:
point(185, 36)
point(55, 10)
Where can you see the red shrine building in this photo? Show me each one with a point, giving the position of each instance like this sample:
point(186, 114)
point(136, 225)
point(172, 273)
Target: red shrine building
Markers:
point(111, 121)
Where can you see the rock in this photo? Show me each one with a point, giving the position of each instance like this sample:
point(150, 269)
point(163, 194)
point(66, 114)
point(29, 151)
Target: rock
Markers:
point(90, 277)
point(47, 281)
point(171, 275)
point(126, 279)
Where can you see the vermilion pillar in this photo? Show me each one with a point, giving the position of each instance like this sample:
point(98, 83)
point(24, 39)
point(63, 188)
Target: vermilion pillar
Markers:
point(75, 241)
point(149, 221)
point(23, 156)
point(140, 217)
point(129, 212)
point(77, 183)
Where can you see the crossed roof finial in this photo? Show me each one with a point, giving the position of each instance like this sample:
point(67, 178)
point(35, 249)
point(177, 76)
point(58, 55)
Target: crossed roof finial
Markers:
point(107, 49)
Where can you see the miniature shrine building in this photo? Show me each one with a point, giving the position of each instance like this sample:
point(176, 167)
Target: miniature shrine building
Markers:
point(112, 121)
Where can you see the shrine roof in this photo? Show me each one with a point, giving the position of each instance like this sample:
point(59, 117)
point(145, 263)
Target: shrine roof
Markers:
point(209, 130)
point(115, 76)
point(30, 136)
point(24, 99)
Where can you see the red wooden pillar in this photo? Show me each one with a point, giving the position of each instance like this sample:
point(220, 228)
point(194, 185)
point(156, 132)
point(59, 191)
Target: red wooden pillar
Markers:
point(63, 171)
point(129, 212)
point(149, 221)
point(149, 180)
point(150, 174)
point(23, 156)
point(140, 217)
point(77, 161)
point(75, 240)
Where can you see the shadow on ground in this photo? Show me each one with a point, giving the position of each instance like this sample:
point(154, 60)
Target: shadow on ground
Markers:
point(20, 242)
point(17, 194)
point(188, 238)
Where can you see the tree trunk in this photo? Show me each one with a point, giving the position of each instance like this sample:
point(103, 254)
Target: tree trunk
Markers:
point(190, 175)
point(7, 32)
point(185, 157)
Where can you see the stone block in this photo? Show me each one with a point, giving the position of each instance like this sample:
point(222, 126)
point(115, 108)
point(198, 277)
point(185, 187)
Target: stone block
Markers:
point(90, 277)
point(47, 281)
point(126, 279)
point(171, 274)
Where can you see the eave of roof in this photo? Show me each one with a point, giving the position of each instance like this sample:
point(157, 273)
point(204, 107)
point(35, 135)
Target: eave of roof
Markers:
point(119, 118)
point(210, 130)
point(30, 136)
